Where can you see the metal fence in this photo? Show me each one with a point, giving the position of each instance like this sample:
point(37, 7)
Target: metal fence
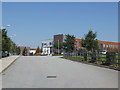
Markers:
point(96, 57)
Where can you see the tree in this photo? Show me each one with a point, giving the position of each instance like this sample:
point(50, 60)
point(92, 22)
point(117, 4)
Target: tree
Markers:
point(8, 46)
point(69, 43)
point(25, 51)
point(18, 50)
point(38, 50)
point(89, 42)
point(56, 46)
point(6, 42)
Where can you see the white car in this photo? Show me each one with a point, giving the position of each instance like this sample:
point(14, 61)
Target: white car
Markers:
point(104, 52)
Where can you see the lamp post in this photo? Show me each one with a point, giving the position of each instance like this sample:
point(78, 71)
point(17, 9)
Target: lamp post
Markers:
point(14, 44)
point(58, 47)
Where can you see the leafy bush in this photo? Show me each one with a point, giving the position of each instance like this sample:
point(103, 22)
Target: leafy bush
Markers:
point(110, 57)
point(85, 55)
point(93, 57)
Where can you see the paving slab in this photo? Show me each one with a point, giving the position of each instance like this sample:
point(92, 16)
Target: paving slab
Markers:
point(6, 62)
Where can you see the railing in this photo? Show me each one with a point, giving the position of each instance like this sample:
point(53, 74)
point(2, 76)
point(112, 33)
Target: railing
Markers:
point(97, 58)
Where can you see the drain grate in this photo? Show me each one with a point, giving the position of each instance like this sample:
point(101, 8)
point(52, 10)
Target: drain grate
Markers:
point(51, 76)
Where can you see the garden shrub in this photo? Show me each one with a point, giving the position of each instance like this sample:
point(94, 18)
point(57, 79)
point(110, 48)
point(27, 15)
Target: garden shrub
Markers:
point(85, 55)
point(93, 57)
point(110, 57)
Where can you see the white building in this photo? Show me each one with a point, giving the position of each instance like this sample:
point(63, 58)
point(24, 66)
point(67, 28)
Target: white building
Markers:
point(32, 51)
point(47, 47)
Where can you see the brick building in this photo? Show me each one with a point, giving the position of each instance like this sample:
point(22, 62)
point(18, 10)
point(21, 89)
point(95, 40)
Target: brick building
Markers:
point(22, 48)
point(103, 45)
point(58, 39)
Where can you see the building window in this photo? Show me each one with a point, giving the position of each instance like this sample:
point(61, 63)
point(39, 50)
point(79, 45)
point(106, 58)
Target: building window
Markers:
point(107, 45)
point(50, 43)
point(42, 44)
point(103, 45)
point(113, 46)
point(76, 48)
point(79, 43)
point(76, 42)
point(45, 44)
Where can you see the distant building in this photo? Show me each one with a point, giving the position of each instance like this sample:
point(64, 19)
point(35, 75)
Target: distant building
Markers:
point(47, 47)
point(58, 39)
point(22, 48)
point(103, 45)
point(32, 51)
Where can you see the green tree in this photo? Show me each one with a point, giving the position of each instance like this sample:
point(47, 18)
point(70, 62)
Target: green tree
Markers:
point(38, 50)
point(69, 43)
point(56, 47)
point(25, 51)
point(6, 41)
point(18, 50)
point(89, 42)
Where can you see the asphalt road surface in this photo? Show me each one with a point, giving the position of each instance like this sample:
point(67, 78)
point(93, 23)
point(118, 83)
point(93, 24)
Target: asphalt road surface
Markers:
point(56, 72)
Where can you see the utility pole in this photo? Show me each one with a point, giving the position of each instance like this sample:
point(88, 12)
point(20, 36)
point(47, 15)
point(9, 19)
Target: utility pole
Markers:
point(58, 47)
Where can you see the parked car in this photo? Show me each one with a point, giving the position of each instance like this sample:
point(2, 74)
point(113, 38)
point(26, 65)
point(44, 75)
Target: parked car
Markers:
point(104, 51)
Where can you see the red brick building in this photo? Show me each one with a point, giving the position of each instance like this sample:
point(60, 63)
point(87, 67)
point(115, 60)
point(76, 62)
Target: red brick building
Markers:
point(22, 48)
point(103, 45)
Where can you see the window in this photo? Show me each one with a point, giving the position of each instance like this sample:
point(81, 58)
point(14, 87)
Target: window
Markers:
point(76, 42)
point(45, 44)
point(50, 43)
point(76, 48)
point(113, 46)
point(103, 45)
point(42, 44)
point(79, 43)
point(107, 45)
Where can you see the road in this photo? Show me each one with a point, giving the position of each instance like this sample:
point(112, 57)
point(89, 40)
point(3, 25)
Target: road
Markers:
point(32, 72)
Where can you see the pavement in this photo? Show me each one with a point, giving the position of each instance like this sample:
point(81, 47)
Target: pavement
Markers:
point(56, 72)
point(6, 62)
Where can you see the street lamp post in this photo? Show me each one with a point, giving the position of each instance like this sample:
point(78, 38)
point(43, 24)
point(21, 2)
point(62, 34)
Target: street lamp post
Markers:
point(58, 47)
point(14, 44)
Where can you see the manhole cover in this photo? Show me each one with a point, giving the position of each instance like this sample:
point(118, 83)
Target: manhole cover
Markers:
point(51, 76)
point(3, 74)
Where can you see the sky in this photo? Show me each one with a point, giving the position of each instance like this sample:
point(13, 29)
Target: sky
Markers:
point(33, 22)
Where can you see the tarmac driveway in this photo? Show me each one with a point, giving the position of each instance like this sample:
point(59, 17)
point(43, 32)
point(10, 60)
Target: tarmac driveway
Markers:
point(56, 72)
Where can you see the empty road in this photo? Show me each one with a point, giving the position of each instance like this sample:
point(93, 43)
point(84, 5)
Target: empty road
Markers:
point(56, 72)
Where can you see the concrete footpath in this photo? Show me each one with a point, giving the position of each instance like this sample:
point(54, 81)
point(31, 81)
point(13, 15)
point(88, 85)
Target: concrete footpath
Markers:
point(6, 62)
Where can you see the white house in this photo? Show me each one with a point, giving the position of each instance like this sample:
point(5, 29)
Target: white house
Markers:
point(47, 47)
point(32, 51)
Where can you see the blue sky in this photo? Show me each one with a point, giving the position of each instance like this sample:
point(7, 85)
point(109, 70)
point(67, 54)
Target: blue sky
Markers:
point(33, 22)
